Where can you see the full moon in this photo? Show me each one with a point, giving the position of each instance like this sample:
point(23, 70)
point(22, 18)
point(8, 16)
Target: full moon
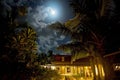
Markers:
point(52, 11)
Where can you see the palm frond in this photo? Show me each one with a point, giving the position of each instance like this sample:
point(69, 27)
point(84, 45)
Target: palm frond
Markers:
point(75, 46)
point(98, 7)
point(78, 5)
point(76, 23)
point(103, 8)
point(60, 27)
point(106, 7)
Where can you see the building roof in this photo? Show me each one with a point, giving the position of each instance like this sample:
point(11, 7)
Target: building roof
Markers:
point(112, 54)
point(59, 58)
point(66, 60)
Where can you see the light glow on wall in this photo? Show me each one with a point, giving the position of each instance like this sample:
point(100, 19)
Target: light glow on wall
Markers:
point(53, 67)
point(103, 73)
point(96, 70)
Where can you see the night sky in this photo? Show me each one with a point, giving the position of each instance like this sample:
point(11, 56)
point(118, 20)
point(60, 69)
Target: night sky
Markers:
point(39, 16)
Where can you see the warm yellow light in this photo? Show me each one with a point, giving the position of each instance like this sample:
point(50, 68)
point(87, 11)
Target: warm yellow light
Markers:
point(81, 78)
point(96, 70)
point(53, 67)
point(44, 66)
point(86, 67)
point(117, 67)
point(103, 73)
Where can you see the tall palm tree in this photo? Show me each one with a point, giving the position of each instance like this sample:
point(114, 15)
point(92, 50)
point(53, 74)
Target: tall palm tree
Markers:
point(97, 18)
point(89, 22)
point(95, 15)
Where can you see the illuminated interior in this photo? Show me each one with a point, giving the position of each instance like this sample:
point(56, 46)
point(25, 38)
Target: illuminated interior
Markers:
point(82, 71)
point(116, 67)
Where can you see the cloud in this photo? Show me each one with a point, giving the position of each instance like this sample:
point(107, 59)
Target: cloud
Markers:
point(39, 18)
point(47, 38)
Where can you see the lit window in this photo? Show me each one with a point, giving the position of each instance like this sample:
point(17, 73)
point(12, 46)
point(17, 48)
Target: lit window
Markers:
point(53, 67)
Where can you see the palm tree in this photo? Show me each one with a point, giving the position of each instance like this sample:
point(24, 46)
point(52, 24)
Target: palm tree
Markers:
point(98, 14)
point(95, 15)
point(23, 41)
point(87, 27)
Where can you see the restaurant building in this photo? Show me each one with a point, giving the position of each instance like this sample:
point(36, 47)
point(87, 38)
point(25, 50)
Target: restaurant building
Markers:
point(64, 66)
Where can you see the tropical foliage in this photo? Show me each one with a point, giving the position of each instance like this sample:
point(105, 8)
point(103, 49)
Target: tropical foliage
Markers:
point(18, 49)
point(23, 41)
point(88, 30)
point(89, 26)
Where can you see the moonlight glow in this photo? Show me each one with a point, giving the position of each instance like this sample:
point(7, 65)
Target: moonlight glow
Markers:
point(52, 11)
